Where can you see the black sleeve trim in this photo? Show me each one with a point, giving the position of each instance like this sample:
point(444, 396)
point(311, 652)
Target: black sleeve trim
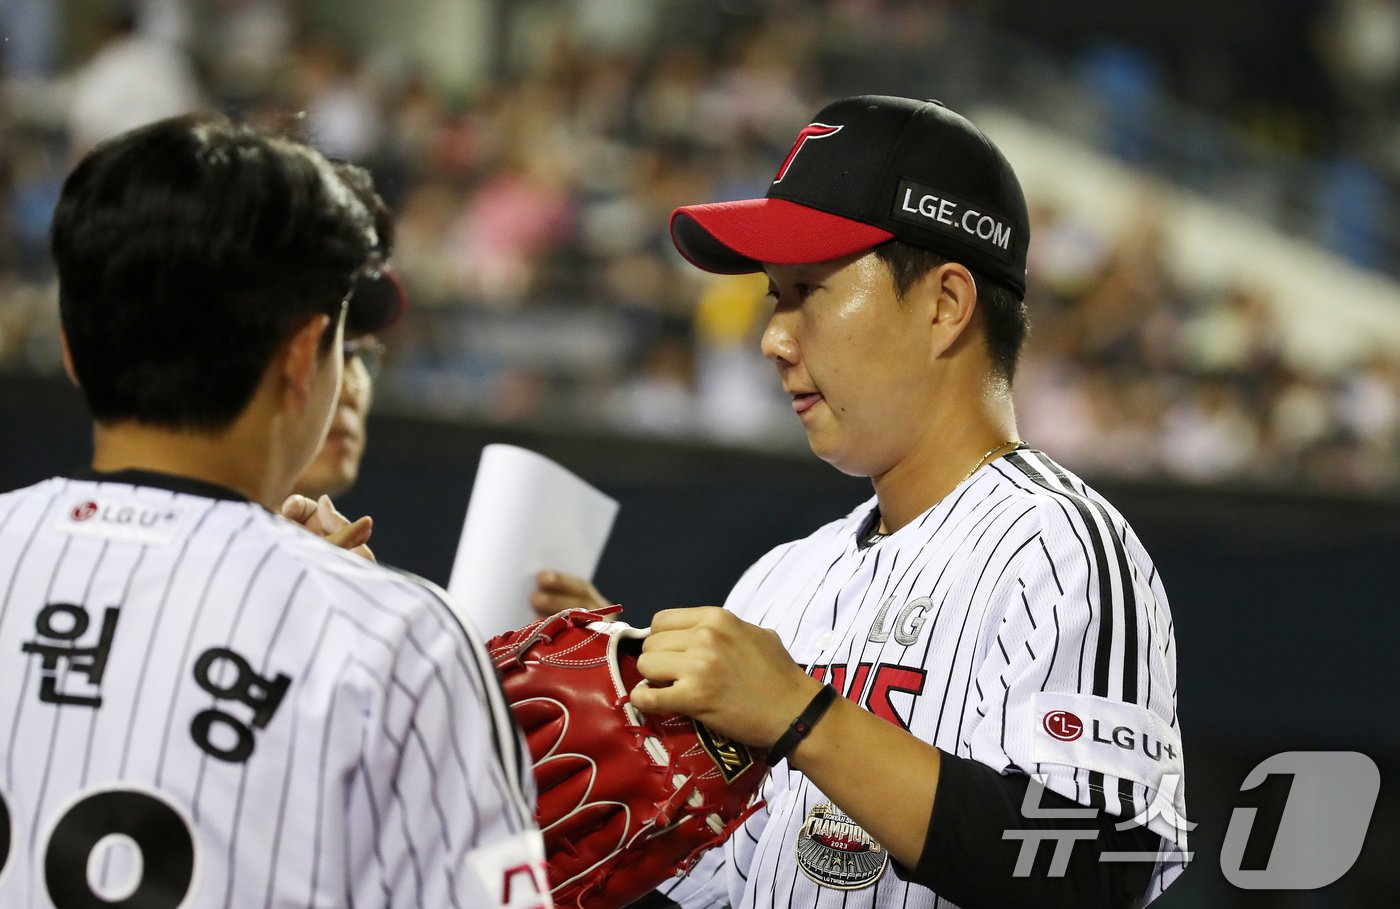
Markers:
point(966, 860)
point(654, 900)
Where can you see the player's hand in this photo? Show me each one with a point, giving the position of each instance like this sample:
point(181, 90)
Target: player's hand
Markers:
point(734, 677)
point(555, 591)
point(321, 518)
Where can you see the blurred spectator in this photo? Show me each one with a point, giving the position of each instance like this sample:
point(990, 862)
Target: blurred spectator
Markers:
point(131, 80)
point(659, 398)
point(341, 116)
point(1208, 434)
point(247, 43)
point(507, 226)
point(1360, 43)
point(737, 389)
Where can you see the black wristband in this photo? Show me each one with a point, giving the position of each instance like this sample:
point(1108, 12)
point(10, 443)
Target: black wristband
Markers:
point(802, 725)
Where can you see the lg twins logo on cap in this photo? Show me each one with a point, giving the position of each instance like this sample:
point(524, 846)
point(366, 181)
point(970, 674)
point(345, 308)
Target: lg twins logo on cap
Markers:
point(810, 131)
point(1062, 725)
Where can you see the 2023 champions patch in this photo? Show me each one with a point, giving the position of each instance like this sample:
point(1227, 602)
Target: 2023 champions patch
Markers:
point(835, 852)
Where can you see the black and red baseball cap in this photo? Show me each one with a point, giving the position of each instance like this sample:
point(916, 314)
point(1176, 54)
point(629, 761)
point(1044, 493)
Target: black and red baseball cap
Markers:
point(866, 170)
point(376, 302)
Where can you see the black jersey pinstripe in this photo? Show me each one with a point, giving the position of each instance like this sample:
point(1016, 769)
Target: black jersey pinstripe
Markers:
point(1019, 606)
point(323, 730)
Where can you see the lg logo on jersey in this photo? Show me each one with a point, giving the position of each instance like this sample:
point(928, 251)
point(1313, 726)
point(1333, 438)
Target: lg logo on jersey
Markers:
point(121, 514)
point(1066, 727)
point(126, 519)
point(1063, 725)
point(907, 624)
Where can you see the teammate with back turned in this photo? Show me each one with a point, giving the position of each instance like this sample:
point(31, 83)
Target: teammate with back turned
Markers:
point(204, 704)
point(985, 624)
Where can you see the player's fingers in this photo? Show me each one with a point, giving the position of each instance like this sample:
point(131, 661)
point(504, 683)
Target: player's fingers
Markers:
point(689, 617)
point(655, 698)
point(681, 696)
point(662, 667)
point(545, 604)
point(700, 638)
point(330, 518)
point(353, 534)
point(559, 582)
point(677, 640)
point(298, 508)
point(580, 590)
point(365, 552)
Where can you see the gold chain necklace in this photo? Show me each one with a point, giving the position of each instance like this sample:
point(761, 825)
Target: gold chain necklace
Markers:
point(988, 456)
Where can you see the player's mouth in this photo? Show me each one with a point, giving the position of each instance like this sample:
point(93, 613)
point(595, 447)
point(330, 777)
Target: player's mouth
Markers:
point(345, 432)
point(803, 401)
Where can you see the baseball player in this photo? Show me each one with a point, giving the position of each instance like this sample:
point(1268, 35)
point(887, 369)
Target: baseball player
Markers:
point(203, 703)
point(376, 303)
point(975, 668)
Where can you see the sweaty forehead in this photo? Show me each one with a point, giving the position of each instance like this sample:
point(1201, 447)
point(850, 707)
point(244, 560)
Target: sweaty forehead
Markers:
point(813, 271)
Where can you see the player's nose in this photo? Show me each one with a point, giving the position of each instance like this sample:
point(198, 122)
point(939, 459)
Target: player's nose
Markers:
point(355, 384)
point(779, 344)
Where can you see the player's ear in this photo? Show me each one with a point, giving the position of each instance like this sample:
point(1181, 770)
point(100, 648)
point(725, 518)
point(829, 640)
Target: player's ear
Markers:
point(68, 358)
point(952, 293)
point(301, 355)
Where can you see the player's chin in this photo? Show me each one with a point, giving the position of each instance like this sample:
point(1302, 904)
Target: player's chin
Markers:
point(838, 453)
point(851, 452)
point(332, 479)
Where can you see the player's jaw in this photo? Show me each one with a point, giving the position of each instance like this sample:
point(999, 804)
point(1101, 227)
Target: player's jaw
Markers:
point(336, 466)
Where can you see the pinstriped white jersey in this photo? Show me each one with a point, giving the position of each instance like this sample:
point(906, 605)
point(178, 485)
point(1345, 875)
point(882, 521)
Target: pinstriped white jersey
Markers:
point(203, 704)
point(1019, 622)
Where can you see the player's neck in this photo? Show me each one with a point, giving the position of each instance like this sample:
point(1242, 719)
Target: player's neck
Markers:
point(958, 442)
point(239, 458)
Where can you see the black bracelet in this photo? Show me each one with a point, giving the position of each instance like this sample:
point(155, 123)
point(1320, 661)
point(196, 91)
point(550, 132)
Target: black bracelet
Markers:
point(802, 725)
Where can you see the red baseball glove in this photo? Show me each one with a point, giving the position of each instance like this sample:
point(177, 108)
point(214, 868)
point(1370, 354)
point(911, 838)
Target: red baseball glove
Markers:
point(625, 800)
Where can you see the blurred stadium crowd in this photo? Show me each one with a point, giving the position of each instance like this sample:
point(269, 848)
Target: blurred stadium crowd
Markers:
point(532, 215)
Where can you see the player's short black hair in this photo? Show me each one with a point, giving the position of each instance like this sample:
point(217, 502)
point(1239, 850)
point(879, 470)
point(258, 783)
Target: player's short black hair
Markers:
point(187, 250)
point(1003, 309)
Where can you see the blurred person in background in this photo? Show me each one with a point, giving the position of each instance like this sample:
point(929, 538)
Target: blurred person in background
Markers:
point(376, 305)
point(133, 79)
point(376, 302)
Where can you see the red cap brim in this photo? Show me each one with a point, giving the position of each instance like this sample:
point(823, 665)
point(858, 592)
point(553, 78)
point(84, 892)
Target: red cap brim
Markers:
point(377, 302)
point(735, 238)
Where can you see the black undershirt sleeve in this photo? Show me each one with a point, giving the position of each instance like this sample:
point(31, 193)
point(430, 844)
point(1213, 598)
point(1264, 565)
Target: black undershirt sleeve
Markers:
point(966, 860)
